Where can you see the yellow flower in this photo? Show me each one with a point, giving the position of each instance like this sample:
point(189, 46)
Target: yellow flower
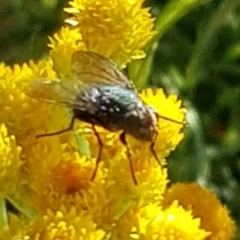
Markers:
point(205, 205)
point(10, 163)
point(176, 223)
point(151, 178)
point(63, 44)
point(17, 109)
point(150, 222)
point(116, 29)
point(169, 133)
point(62, 224)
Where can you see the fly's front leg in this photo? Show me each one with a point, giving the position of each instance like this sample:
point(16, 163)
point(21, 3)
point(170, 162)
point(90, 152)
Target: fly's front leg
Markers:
point(123, 140)
point(99, 152)
point(58, 132)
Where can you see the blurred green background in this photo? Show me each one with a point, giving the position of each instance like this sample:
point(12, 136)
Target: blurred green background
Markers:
point(196, 55)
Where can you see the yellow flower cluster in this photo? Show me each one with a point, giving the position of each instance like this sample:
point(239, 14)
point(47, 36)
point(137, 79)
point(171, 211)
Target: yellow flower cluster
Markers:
point(48, 179)
point(205, 205)
point(116, 29)
point(10, 162)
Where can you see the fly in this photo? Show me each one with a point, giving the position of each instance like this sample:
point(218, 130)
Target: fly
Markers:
point(101, 95)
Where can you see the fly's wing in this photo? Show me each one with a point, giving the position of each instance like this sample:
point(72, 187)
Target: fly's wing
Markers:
point(93, 69)
point(89, 69)
point(52, 91)
point(57, 92)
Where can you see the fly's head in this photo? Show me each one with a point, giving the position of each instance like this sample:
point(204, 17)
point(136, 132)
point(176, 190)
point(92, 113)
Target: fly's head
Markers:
point(142, 122)
point(149, 126)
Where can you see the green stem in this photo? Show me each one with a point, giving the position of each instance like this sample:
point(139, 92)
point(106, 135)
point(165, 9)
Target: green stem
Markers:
point(3, 214)
point(20, 200)
point(174, 10)
point(200, 165)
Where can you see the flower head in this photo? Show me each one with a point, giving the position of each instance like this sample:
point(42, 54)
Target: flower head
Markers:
point(10, 162)
point(62, 224)
point(17, 108)
point(63, 44)
point(170, 133)
point(151, 222)
point(116, 29)
point(205, 205)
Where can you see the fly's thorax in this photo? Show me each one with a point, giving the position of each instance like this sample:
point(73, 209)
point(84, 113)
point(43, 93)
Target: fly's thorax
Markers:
point(86, 100)
point(105, 106)
point(85, 107)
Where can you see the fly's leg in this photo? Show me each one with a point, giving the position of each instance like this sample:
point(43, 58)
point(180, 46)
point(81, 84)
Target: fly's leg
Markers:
point(58, 132)
point(152, 148)
point(123, 140)
point(99, 152)
point(154, 153)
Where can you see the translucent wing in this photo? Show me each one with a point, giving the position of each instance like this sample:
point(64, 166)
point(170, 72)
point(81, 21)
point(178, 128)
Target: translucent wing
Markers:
point(88, 69)
point(94, 69)
point(57, 92)
point(53, 91)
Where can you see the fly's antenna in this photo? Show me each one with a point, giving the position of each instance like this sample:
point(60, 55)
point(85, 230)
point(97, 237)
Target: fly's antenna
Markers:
point(183, 123)
point(152, 146)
